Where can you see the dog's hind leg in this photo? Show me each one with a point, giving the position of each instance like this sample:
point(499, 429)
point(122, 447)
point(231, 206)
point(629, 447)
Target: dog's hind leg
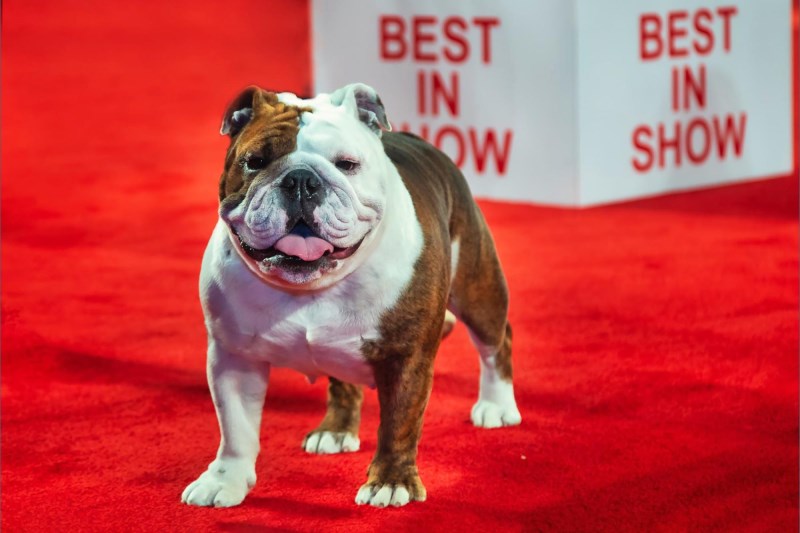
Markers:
point(479, 298)
point(338, 431)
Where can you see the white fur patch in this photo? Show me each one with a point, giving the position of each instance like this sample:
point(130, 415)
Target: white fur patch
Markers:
point(489, 415)
point(455, 248)
point(496, 405)
point(224, 484)
point(383, 495)
point(449, 318)
point(328, 442)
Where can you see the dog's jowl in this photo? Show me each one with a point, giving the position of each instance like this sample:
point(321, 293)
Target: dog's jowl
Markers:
point(342, 250)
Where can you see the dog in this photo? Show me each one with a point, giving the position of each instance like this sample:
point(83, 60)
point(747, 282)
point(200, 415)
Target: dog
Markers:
point(345, 250)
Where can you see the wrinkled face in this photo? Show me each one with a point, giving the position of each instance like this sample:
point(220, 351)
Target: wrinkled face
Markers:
point(303, 192)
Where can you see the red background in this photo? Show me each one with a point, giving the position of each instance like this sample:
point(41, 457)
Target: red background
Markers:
point(655, 346)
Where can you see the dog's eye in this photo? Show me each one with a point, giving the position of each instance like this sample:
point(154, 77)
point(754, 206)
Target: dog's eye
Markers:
point(255, 163)
point(346, 165)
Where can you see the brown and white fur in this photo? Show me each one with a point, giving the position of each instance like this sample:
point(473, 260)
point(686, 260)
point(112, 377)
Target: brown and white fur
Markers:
point(390, 240)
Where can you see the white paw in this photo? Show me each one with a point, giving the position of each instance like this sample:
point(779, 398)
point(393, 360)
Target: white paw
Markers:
point(224, 484)
point(325, 442)
point(383, 496)
point(486, 414)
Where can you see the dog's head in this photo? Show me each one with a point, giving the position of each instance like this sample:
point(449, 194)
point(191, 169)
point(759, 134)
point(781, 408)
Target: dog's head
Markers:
point(304, 187)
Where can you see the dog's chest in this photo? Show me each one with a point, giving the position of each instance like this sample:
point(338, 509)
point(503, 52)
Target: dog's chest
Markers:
point(318, 330)
point(316, 334)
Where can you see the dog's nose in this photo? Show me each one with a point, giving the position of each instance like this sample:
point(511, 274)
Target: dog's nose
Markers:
point(301, 182)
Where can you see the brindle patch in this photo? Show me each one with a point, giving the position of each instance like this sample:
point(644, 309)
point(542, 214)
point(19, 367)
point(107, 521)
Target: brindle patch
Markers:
point(411, 331)
point(270, 134)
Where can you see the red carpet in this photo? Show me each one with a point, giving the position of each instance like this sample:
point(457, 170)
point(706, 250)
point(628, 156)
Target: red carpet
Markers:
point(656, 342)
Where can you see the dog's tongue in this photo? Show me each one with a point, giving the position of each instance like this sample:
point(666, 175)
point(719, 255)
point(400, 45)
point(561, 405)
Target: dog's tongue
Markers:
point(303, 244)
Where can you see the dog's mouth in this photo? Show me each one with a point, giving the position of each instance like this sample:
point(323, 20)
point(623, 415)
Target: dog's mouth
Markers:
point(301, 247)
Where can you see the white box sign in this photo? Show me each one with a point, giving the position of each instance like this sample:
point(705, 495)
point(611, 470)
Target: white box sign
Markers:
point(574, 103)
point(675, 95)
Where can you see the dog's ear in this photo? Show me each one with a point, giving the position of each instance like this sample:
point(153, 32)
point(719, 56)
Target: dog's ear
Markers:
point(240, 111)
point(365, 104)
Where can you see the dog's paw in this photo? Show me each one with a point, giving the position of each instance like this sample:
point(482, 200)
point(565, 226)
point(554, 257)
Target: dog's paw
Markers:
point(326, 442)
point(390, 485)
point(379, 495)
point(224, 484)
point(487, 414)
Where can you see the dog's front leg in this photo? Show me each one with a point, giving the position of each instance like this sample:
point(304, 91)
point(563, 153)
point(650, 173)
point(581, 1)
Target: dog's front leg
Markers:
point(238, 386)
point(404, 385)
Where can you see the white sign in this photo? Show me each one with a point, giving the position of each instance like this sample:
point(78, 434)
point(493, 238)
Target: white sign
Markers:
point(574, 103)
point(683, 94)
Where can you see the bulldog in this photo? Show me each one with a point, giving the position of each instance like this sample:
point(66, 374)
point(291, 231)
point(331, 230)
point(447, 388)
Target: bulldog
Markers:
point(347, 251)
